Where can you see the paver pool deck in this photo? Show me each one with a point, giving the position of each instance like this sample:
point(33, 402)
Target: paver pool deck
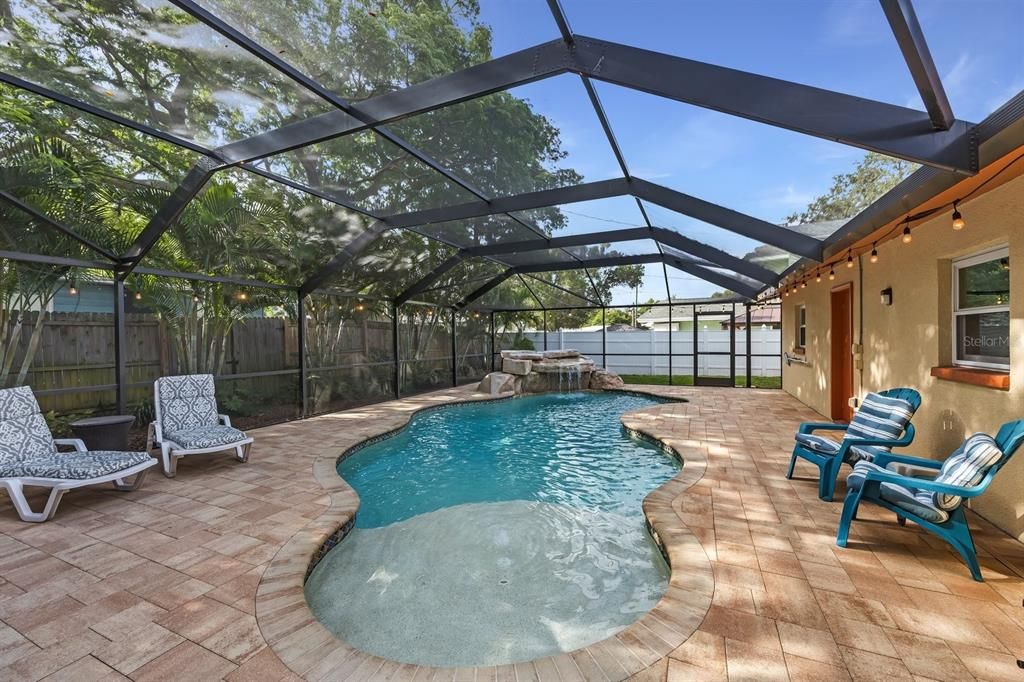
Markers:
point(200, 577)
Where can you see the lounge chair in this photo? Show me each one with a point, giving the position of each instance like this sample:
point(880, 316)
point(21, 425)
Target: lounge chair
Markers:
point(934, 504)
point(187, 422)
point(29, 456)
point(875, 428)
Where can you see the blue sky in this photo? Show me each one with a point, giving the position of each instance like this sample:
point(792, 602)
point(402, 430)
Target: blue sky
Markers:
point(769, 173)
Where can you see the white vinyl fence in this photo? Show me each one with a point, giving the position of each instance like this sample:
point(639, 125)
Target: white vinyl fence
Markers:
point(646, 352)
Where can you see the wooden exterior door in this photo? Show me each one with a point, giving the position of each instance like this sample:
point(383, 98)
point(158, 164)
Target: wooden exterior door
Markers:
point(842, 353)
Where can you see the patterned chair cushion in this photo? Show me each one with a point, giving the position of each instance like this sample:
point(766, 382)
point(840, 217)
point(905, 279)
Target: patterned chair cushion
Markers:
point(186, 402)
point(74, 465)
point(205, 437)
point(966, 467)
point(23, 431)
point(880, 417)
point(918, 502)
point(817, 443)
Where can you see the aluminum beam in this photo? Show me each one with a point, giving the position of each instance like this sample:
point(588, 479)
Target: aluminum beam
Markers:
point(50, 222)
point(734, 221)
point(722, 280)
point(658, 234)
point(909, 36)
point(424, 283)
point(351, 250)
point(117, 119)
point(707, 275)
point(570, 291)
point(713, 214)
point(877, 126)
point(168, 213)
point(55, 260)
point(487, 286)
point(534, 63)
point(999, 134)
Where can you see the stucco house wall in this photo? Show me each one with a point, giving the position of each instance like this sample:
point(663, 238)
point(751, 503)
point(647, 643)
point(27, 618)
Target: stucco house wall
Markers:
point(902, 342)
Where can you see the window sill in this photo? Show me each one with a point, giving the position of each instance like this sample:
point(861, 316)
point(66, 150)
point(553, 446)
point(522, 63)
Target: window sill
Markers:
point(986, 378)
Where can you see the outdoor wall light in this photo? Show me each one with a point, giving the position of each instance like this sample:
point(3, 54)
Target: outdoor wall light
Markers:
point(887, 296)
point(958, 220)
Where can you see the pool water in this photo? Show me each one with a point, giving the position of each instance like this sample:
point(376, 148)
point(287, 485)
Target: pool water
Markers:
point(497, 532)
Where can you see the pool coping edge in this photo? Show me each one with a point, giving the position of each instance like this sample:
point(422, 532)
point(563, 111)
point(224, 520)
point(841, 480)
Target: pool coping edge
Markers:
point(307, 648)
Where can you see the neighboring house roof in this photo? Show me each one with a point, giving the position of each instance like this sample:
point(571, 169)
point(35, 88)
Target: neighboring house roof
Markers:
point(776, 259)
point(758, 316)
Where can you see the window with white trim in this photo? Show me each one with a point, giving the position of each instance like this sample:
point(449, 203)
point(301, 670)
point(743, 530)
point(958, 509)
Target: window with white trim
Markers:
point(801, 327)
point(981, 310)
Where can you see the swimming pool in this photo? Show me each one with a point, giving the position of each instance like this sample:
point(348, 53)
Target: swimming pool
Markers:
point(497, 532)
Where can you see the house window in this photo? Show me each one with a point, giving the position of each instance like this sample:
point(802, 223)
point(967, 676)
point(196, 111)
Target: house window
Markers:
point(801, 327)
point(981, 310)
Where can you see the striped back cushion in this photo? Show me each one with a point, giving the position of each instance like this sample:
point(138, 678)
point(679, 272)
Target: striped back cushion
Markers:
point(880, 417)
point(966, 467)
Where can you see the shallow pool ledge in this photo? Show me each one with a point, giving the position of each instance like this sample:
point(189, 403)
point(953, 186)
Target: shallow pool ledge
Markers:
point(310, 650)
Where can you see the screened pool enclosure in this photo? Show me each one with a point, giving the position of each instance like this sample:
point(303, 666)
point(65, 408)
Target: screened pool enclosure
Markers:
point(326, 204)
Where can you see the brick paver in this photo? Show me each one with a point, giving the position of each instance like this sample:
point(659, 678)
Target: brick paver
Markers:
point(200, 577)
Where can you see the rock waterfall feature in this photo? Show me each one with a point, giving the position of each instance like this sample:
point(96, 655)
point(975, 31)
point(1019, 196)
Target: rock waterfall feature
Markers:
point(551, 370)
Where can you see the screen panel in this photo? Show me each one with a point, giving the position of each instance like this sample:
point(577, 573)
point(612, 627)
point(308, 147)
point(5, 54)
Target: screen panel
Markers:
point(101, 180)
point(152, 63)
point(360, 50)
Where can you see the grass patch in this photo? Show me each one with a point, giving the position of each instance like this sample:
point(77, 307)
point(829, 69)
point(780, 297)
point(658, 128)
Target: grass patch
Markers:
point(687, 380)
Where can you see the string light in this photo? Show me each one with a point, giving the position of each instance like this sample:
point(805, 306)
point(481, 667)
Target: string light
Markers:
point(906, 234)
point(958, 220)
point(817, 276)
point(874, 253)
point(242, 296)
point(195, 297)
point(849, 259)
point(831, 273)
point(360, 307)
point(73, 290)
point(138, 295)
point(803, 284)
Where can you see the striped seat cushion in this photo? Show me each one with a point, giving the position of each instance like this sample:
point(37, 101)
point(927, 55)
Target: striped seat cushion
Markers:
point(821, 444)
point(880, 417)
point(966, 467)
point(921, 503)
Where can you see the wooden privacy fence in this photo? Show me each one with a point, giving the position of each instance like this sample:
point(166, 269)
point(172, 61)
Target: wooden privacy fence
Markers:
point(76, 351)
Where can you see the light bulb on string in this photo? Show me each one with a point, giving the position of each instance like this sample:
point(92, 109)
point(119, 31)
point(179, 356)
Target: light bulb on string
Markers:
point(958, 220)
point(849, 259)
point(874, 254)
point(907, 237)
point(831, 273)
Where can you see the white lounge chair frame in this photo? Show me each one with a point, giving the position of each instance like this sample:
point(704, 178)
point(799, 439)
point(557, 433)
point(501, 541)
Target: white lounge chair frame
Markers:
point(171, 452)
point(15, 487)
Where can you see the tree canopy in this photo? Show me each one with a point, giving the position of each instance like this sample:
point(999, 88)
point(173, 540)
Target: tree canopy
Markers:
point(852, 192)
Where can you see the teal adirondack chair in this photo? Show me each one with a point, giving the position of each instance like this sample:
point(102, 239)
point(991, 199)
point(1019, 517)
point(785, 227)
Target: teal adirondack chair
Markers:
point(912, 498)
point(863, 438)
